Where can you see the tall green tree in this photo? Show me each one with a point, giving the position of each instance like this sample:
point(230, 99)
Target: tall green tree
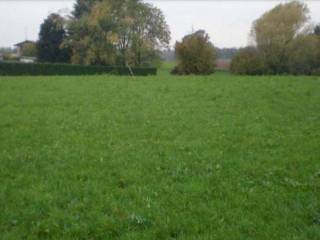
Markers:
point(276, 29)
point(50, 47)
point(124, 32)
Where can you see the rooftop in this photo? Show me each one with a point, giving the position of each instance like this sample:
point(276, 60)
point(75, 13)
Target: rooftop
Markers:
point(23, 43)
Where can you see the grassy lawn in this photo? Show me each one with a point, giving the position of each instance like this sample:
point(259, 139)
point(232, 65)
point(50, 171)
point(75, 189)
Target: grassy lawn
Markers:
point(101, 157)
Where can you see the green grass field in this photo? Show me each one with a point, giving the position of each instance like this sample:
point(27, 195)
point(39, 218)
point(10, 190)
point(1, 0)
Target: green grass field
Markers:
point(107, 157)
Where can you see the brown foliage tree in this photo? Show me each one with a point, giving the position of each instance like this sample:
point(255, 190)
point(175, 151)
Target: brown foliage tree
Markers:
point(275, 30)
point(195, 55)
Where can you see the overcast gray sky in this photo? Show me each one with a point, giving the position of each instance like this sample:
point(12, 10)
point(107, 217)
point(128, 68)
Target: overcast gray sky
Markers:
point(228, 22)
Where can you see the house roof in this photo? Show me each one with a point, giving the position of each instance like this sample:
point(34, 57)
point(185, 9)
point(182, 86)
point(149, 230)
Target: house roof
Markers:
point(23, 43)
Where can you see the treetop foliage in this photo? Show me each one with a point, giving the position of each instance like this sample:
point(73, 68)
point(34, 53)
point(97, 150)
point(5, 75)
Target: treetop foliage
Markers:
point(83, 7)
point(50, 47)
point(121, 32)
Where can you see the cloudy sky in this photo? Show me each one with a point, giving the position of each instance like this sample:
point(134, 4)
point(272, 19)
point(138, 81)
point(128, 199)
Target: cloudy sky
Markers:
point(228, 22)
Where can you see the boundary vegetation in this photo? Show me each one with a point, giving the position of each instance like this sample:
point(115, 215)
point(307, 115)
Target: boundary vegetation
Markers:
point(21, 69)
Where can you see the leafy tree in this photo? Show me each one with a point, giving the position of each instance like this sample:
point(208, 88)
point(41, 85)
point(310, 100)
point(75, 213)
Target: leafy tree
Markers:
point(29, 50)
point(124, 32)
point(247, 61)
point(195, 54)
point(150, 34)
point(52, 34)
point(275, 30)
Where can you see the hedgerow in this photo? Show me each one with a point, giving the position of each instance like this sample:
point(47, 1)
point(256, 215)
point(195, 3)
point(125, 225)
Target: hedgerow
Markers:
point(36, 69)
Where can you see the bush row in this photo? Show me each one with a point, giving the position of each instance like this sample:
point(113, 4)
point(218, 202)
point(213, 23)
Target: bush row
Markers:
point(35, 69)
point(300, 57)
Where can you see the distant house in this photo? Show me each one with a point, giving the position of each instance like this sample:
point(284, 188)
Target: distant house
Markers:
point(1, 57)
point(19, 47)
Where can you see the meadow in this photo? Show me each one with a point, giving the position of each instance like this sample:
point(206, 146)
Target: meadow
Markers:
point(161, 157)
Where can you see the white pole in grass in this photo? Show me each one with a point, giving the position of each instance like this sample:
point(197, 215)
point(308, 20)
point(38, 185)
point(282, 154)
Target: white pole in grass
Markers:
point(131, 72)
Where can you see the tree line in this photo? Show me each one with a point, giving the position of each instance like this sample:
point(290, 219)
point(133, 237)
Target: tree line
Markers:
point(105, 32)
point(284, 43)
point(133, 33)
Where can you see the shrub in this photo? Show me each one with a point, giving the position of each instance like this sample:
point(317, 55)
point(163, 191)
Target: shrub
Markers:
point(16, 69)
point(195, 55)
point(304, 53)
point(247, 62)
point(29, 50)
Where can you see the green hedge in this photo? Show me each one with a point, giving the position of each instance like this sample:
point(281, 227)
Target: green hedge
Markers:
point(35, 69)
